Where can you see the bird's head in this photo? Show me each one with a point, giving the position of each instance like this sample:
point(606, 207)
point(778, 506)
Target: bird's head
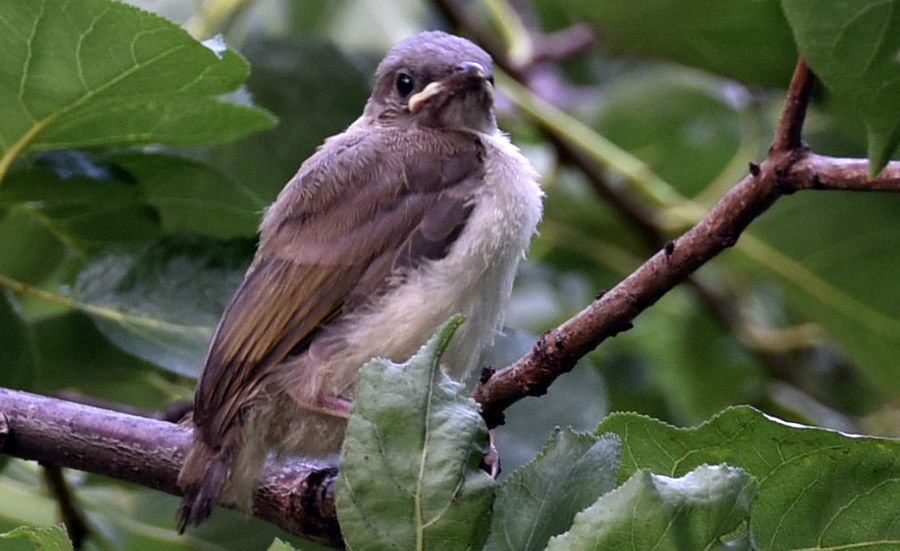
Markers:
point(435, 79)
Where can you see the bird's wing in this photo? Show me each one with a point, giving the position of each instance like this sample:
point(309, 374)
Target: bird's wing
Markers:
point(362, 209)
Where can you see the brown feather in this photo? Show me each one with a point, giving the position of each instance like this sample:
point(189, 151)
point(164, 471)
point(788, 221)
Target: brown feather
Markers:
point(349, 222)
point(393, 192)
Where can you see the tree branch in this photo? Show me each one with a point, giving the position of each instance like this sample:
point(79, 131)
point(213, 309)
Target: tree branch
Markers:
point(557, 350)
point(833, 173)
point(297, 496)
point(789, 136)
point(789, 168)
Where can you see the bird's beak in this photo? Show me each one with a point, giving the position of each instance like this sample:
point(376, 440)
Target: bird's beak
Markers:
point(469, 76)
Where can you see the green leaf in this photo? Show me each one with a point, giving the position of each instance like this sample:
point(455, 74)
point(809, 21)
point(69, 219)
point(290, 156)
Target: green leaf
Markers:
point(696, 363)
point(49, 538)
point(23, 500)
point(66, 352)
point(741, 436)
point(657, 512)
point(30, 250)
point(161, 301)
point(541, 499)
point(748, 41)
point(815, 486)
point(409, 464)
point(16, 347)
point(82, 213)
point(70, 354)
point(76, 74)
point(278, 545)
point(679, 124)
point(844, 498)
point(829, 249)
point(853, 47)
point(192, 197)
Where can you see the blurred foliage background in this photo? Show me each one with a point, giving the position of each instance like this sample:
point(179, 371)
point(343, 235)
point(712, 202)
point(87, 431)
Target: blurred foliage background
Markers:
point(117, 256)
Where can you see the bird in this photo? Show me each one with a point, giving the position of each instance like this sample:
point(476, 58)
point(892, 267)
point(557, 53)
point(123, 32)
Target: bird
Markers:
point(421, 209)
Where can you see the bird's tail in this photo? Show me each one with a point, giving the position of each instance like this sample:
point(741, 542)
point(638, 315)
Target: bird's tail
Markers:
point(202, 478)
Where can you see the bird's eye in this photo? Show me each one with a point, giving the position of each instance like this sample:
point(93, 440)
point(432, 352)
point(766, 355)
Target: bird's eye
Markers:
point(404, 84)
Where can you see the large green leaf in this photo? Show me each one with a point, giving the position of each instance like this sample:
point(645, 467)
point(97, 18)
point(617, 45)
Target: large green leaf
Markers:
point(70, 354)
point(696, 364)
point(748, 41)
point(161, 301)
point(817, 488)
point(409, 464)
point(22, 499)
point(681, 124)
point(48, 538)
point(30, 248)
point(656, 512)
point(853, 47)
point(833, 499)
point(832, 251)
point(94, 72)
point(81, 212)
point(124, 196)
point(192, 197)
point(66, 352)
point(541, 499)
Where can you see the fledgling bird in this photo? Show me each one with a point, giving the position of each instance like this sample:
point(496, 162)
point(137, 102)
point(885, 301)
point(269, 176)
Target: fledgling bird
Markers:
point(420, 210)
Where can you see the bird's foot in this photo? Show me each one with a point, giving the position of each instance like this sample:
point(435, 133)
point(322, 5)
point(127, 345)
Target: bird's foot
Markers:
point(332, 406)
point(490, 463)
point(339, 407)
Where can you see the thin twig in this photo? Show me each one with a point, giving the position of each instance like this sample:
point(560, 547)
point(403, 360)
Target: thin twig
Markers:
point(76, 526)
point(789, 136)
point(563, 43)
point(458, 17)
point(832, 173)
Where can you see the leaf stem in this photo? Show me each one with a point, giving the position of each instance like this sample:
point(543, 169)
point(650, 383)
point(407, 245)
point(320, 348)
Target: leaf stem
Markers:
point(99, 311)
point(815, 286)
point(517, 38)
point(19, 146)
point(54, 229)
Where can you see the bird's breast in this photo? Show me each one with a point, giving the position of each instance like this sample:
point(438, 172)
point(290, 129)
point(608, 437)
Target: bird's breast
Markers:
point(475, 277)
